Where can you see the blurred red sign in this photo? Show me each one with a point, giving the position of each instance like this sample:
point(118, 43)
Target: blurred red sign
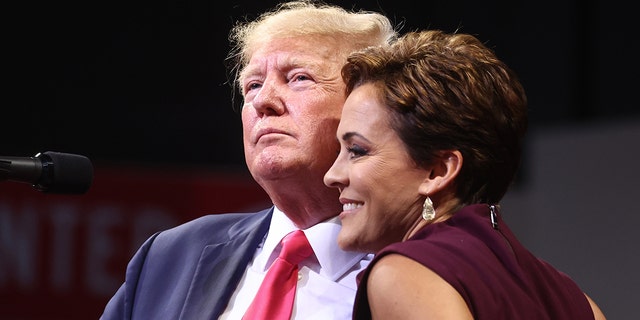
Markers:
point(64, 256)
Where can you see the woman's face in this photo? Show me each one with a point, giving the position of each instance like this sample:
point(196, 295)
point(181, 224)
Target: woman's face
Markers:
point(378, 180)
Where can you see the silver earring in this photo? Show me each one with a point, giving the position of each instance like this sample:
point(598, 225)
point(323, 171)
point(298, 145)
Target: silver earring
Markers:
point(428, 212)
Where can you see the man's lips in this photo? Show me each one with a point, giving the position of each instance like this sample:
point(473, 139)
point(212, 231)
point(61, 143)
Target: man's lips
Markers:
point(267, 131)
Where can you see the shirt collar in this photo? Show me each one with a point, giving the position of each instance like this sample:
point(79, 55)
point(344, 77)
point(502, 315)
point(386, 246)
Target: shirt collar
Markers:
point(334, 262)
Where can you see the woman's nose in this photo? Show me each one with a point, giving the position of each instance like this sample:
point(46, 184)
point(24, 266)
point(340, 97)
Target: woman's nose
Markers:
point(334, 177)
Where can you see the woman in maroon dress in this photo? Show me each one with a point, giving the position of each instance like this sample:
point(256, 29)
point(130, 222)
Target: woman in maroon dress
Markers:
point(431, 138)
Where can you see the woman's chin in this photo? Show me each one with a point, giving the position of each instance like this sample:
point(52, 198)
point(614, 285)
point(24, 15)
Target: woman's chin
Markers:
point(345, 242)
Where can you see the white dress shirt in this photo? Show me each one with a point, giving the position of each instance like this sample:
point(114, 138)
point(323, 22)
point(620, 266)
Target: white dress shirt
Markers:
point(327, 285)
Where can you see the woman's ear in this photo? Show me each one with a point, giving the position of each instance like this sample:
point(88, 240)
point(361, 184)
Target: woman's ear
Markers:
point(442, 173)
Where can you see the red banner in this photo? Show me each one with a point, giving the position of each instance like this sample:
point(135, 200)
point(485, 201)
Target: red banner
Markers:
point(64, 256)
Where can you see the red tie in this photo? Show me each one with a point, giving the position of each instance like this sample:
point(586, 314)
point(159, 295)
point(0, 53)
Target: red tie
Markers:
point(274, 300)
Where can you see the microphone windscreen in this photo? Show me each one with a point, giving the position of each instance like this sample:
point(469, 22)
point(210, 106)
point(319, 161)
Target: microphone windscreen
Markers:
point(71, 173)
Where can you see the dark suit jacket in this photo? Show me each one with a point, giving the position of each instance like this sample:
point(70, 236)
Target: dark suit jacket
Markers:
point(190, 271)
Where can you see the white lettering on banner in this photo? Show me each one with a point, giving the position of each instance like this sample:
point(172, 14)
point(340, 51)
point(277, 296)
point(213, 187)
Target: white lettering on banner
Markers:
point(100, 247)
point(66, 247)
point(64, 220)
point(18, 241)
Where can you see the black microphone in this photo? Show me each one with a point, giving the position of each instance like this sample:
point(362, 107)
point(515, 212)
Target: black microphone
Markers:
point(50, 172)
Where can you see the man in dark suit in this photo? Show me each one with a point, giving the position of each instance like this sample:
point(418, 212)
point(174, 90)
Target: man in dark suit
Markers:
point(287, 68)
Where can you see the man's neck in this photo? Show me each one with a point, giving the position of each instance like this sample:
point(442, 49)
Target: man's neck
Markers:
point(305, 206)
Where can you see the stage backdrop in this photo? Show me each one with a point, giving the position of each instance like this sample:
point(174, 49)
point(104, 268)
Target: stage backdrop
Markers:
point(64, 256)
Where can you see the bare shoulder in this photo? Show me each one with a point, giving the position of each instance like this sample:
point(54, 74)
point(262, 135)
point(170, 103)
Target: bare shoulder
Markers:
point(597, 313)
point(401, 288)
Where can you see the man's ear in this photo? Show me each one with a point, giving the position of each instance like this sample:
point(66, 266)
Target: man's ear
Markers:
point(442, 173)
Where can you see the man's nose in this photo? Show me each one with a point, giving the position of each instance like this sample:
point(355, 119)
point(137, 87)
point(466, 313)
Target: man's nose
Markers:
point(269, 100)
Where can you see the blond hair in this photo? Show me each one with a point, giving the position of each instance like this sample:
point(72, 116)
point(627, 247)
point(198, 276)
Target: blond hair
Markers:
point(359, 29)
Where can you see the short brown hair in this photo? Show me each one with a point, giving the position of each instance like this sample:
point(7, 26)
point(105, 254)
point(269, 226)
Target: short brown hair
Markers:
point(450, 92)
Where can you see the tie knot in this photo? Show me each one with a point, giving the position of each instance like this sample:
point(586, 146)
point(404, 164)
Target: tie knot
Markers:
point(295, 247)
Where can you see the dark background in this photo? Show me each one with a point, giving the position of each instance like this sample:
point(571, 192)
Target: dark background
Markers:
point(144, 81)
point(139, 85)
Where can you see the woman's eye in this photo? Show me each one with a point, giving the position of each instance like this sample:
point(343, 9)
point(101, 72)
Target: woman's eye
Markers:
point(356, 151)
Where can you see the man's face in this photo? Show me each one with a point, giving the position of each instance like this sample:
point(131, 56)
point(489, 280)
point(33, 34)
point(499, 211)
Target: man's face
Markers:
point(293, 97)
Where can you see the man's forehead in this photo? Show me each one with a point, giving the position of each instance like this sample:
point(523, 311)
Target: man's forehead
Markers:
point(286, 60)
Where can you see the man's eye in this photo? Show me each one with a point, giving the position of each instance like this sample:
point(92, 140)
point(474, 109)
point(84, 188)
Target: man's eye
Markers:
point(253, 85)
point(300, 77)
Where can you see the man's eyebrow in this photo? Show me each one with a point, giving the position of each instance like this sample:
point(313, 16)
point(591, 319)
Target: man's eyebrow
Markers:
point(247, 72)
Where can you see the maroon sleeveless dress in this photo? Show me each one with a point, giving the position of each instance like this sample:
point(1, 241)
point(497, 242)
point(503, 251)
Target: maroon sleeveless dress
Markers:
point(497, 276)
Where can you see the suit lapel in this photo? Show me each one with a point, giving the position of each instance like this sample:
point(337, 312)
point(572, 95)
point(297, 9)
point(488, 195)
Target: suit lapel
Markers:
point(221, 267)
